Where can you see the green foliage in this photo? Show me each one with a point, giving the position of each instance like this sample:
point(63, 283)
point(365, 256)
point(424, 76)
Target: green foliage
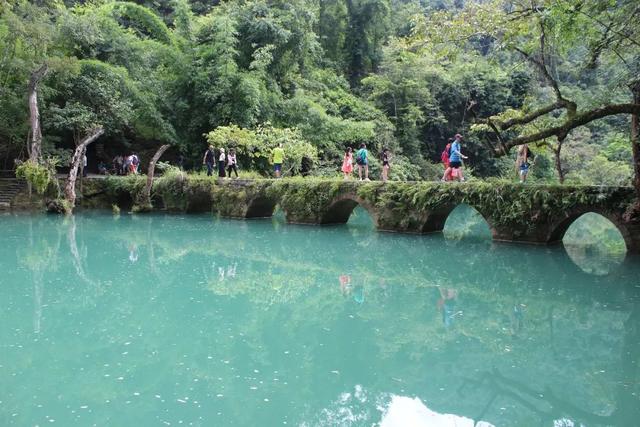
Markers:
point(139, 19)
point(319, 76)
point(39, 175)
point(254, 147)
point(130, 185)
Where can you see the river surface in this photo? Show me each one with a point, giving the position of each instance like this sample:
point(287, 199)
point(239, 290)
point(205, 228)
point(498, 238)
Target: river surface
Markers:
point(192, 320)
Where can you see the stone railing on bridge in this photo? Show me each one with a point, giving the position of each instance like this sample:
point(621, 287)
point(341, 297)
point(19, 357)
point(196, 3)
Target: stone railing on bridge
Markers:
point(514, 213)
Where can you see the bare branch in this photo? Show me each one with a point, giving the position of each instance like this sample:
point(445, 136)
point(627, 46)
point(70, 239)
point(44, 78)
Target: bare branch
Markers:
point(541, 65)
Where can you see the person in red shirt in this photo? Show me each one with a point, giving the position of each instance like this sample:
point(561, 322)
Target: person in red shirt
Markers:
point(445, 161)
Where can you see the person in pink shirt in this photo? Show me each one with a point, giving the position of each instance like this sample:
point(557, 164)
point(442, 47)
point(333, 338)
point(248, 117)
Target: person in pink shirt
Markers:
point(347, 163)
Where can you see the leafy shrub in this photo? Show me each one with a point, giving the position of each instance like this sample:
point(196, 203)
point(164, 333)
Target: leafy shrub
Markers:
point(39, 175)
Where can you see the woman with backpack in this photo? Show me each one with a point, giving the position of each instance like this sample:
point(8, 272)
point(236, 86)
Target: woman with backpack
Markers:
point(347, 163)
point(363, 162)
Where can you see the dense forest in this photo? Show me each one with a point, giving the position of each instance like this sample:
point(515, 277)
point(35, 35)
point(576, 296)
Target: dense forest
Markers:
point(322, 75)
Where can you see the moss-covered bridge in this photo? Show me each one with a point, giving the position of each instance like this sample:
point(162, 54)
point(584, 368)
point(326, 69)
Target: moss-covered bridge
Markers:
point(514, 213)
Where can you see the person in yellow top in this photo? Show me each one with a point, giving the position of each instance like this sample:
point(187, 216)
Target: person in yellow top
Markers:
point(278, 158)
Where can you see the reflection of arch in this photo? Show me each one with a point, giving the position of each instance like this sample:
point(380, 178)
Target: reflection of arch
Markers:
point(342, 207)
point(591, 261)
point(560, 227)
point(261, 207)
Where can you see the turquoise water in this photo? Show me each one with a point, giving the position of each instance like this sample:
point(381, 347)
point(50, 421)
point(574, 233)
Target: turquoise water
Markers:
point(192, 320)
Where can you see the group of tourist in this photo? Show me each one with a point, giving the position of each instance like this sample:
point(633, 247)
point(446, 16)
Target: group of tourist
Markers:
point(362, 161)
point(126, 165)
point(226, 163)
point(452, 160)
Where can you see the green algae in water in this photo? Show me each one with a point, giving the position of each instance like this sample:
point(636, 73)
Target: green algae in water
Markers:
point(189, 320)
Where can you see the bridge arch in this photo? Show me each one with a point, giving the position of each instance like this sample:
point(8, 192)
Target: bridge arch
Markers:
point(559, 228)
point(261, 206)
point(477, 225)
point(341, 208)
point(437, 218)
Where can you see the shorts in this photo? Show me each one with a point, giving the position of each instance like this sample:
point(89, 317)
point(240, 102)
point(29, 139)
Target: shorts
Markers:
point(524, 168)
point(385, 164)
point(277, 167)
point(361, 162)
point(455, 165)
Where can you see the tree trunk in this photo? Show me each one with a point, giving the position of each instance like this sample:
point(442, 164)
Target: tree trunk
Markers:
point(556, 152)
point(144, 203)
point(70, 186)
point(82, 156)
point(635, 139)
point(36, 132)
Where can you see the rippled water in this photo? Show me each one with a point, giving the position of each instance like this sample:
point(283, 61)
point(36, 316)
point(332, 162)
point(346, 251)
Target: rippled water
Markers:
point(191, 320)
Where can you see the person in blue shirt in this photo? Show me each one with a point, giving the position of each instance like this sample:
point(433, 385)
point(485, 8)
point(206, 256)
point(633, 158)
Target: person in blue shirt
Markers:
point(455, 160)
point(362, 160)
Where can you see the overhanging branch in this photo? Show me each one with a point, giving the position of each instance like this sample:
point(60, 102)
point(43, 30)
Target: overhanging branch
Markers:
point(563, 130)
point(527, 118)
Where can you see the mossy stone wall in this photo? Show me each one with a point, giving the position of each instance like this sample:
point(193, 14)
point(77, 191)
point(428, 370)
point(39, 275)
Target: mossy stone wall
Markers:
point(522, 213)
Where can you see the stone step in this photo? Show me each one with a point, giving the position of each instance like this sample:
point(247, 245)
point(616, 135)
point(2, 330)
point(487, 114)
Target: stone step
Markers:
point(9, 188)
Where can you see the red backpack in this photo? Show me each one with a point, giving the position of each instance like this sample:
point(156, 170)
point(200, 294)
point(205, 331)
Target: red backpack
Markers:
point(445, 154)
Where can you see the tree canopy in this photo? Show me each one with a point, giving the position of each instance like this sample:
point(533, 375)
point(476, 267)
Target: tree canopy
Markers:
point(401, 74)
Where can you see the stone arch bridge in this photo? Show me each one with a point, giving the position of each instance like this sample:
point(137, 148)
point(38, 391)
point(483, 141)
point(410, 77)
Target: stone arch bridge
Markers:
point(538, 214)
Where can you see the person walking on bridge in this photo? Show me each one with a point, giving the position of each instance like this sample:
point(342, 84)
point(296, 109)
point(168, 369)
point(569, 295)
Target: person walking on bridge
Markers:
point(362, 159)
point(522, 162)
point(385, 157)
point(278, 159)
point(347, 163)
point(231, 163)
point(222, 161)
point(445, 160)
point(208, 160)
point(455, 160)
